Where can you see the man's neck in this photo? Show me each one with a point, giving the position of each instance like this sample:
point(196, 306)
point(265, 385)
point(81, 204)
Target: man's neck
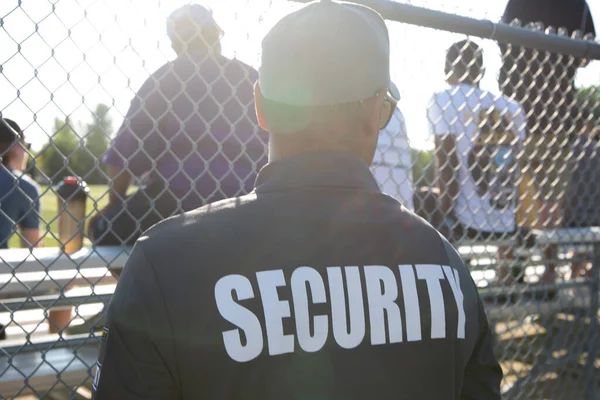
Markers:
point(455, 82)
point(200, 50)
point(14, 165)
point(286, 146)
point(471, 84)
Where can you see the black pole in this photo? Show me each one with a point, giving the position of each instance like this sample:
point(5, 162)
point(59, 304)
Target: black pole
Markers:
point(485, 29)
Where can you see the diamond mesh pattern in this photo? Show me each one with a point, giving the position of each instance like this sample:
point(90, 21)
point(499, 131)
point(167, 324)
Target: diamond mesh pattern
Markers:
point(514, 158)
point(497, 170)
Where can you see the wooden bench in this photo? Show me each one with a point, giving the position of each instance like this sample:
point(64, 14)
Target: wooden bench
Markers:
point(31, 282)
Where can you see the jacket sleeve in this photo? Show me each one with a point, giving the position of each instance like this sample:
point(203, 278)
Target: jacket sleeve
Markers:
point(136, 355)
point(483, 374)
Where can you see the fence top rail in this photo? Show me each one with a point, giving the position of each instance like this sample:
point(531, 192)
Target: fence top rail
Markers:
point(481, 28)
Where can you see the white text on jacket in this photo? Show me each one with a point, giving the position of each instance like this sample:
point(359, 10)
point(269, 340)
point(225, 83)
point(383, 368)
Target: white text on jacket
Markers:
point(340, 289)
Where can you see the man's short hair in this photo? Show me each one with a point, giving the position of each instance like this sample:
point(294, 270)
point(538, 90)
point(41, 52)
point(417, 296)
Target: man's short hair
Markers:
point(10, 131)
point(464, 60)
point(286, 119)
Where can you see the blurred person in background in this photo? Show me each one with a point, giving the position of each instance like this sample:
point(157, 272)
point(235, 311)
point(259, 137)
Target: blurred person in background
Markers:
point(19, 194)
point(544, 84)
point(392, 164)
point(316, 285)
point(478, 138)
point(582, 202)
point(191, 129)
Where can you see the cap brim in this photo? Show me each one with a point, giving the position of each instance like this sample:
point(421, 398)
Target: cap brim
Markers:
point(393, 91)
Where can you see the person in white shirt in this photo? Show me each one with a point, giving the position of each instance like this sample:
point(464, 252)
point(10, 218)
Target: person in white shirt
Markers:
point(392, 166)
point(478, 136)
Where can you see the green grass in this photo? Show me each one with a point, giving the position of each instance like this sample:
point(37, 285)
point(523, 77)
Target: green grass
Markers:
point(98, 198)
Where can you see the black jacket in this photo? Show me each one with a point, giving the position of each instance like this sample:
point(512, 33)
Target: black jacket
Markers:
point(315, 286)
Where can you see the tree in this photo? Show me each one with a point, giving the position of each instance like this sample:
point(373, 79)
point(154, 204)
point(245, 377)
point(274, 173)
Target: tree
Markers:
point(97, 138)
point(69, 154)
point(32, 167)
point(589, 99)
point(423, 167)
point(56, 157)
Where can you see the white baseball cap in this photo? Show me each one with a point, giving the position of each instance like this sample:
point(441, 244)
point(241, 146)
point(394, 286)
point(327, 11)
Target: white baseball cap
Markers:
point(326, 53)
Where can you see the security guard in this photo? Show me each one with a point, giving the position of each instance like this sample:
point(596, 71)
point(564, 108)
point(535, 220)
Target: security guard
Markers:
point(316, 285)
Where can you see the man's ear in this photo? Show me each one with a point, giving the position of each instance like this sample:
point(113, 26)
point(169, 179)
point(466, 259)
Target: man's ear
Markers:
point(372, 109)
point(176, 46)
point(258, 106)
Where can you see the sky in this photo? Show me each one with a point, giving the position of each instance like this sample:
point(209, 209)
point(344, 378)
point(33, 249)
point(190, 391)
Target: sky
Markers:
point(59, 58)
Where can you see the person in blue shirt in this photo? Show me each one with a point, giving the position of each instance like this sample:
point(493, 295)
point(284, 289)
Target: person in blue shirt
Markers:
point(19, 194)
point(191, 130)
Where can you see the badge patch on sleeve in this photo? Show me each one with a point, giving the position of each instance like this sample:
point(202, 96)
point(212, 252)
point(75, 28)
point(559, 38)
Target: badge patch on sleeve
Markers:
point(105, 334)
point(103, 338)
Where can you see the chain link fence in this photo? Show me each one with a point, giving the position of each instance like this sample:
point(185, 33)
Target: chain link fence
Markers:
point(495, 144)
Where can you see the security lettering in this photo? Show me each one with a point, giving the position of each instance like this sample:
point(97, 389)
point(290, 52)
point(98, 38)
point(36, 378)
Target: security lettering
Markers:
point(358, 300)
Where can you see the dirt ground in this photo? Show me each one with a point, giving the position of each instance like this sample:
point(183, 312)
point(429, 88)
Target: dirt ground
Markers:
point(547, 358)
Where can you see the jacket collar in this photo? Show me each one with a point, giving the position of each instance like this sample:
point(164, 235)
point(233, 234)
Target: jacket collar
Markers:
point(323, 169)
